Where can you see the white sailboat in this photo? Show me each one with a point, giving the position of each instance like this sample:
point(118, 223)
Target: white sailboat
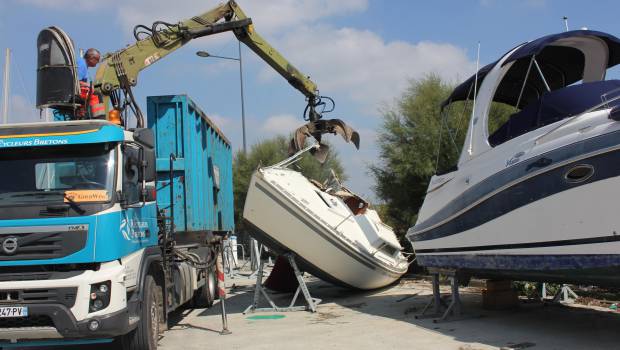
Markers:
point(333, 233)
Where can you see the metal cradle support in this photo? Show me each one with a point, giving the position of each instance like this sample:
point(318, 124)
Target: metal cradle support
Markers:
point(256, 251)
point(564, 295)
point(259, 290)
point(231, 267)
point(453, 308)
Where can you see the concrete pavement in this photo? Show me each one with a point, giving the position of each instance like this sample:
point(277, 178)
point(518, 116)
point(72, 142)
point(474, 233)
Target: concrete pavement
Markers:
point(384, 319)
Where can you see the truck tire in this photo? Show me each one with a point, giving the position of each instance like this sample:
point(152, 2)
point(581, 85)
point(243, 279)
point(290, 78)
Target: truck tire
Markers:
point(206, 295)
point(146, 334)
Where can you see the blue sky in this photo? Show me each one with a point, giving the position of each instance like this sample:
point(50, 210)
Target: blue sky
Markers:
point(359, 52)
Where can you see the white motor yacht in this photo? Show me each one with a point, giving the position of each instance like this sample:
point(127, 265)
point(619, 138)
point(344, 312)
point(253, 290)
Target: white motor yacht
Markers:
point(535, 199)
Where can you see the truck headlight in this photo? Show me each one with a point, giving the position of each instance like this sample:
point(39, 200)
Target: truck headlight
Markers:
point(99, 296)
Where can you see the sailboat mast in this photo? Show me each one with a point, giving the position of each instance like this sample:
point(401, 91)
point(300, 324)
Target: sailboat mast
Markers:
point(5, 87)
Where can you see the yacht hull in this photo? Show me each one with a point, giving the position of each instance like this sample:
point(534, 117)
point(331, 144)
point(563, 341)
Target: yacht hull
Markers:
point(541, 226)
point(535, 196)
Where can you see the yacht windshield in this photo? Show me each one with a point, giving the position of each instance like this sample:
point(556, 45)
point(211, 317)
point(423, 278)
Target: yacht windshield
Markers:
point(58, 173)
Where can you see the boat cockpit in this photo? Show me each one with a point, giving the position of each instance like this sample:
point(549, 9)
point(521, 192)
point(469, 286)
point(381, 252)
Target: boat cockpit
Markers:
point(543, 81)
point(356, 204)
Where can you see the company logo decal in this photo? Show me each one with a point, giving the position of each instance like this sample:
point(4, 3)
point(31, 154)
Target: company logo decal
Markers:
point(33, 142)
point(87, 196)
point(77, 228)
point(134, 229)
point(9, 245)
point(151, 59)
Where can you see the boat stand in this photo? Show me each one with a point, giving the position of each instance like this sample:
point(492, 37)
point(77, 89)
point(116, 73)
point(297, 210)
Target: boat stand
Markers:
point(450, 309)
point(564, 295)
point(312, 303)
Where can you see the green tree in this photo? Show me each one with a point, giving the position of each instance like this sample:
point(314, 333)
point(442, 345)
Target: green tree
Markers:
point(416, 141)
point(269, 152)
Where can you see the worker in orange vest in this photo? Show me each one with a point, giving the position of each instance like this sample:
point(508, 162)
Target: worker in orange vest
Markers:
point(91, 100)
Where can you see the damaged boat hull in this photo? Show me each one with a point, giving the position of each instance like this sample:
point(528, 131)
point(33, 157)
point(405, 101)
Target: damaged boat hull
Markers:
point(283, 214)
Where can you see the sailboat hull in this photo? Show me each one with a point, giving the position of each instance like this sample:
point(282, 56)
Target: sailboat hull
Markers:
point(284, 223)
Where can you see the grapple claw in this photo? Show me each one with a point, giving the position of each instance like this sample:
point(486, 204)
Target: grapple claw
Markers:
point(320, 153)
point(316, 129)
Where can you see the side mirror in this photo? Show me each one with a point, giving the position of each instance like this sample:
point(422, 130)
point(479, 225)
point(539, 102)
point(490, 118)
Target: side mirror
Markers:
point(144, 136)
point(146, 139)
point(133, 169)
point(150, 170)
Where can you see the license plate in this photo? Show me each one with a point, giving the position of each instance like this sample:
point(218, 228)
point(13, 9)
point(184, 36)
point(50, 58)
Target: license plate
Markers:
point(13, 311)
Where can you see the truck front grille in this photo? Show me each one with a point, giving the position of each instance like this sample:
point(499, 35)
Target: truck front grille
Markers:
point(65, 296)
point(30, 321)
point(33, 276)
point(41, 245)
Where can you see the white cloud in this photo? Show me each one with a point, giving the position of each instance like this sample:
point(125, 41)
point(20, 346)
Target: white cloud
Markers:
point(214, 66)
point(363, 65)
point(267, 16)
point(75, 5)
point(367, 136)
point(271, 16)
point(222, 122)
point(281, 124)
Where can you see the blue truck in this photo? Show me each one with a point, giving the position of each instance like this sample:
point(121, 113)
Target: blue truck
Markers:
point(87, 250)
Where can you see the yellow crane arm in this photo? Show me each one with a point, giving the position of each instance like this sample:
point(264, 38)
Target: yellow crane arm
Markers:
point(118, 73)
point(121, 68)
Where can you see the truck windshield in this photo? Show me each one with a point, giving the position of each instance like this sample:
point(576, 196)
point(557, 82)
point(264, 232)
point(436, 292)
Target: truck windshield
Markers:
point(80, 173)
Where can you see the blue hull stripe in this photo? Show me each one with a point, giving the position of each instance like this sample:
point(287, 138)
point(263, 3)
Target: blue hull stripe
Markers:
point(566, 242)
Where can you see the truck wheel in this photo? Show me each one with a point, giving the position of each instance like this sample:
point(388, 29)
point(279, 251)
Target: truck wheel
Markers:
point(206, 295)
point(146, 335)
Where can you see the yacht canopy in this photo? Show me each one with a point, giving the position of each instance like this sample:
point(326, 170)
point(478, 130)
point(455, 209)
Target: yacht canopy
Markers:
point(554, 106)
point(563, 58)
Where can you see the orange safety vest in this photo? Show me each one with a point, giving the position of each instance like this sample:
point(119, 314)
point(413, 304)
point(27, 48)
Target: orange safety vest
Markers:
point(92, 101)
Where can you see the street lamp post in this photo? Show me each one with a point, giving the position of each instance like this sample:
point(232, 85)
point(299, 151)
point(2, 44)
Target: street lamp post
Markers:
point(240, 60)
point(254, 249)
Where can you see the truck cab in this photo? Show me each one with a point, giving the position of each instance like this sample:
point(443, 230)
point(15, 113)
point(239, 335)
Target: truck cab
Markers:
point(77, 213)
